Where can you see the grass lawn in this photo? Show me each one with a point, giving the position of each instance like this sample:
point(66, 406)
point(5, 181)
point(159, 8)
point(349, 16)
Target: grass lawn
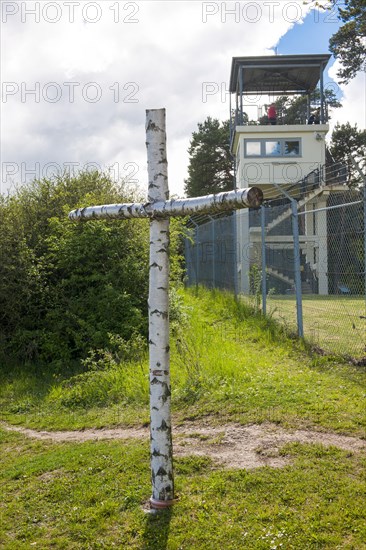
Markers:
point(228, 365)
point(90, 495)
point(336, 324)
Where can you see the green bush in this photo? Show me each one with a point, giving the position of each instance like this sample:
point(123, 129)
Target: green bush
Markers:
point(66, 286)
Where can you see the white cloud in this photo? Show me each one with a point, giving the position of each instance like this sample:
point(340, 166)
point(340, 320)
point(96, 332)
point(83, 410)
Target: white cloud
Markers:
point(163, 59)
point(353, 101)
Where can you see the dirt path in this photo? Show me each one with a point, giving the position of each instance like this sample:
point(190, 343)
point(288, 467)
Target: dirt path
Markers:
point(231, 446)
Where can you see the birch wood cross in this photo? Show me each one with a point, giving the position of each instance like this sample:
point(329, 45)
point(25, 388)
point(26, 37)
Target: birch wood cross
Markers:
point(158, 209)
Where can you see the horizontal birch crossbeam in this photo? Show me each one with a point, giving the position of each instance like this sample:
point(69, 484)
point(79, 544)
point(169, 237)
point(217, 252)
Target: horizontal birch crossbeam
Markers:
point(226, 201)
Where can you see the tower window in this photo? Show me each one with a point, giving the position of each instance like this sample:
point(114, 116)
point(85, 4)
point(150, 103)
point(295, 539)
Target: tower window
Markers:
point(252, 148)
point(292, 147)
point(272, 148)
point(283, 147)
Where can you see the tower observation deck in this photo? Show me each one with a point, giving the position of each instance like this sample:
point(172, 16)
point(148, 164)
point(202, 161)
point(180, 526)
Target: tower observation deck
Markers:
point(268, 150)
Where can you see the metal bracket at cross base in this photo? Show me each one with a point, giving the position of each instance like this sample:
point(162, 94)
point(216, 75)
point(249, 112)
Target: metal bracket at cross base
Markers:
point(159, 209)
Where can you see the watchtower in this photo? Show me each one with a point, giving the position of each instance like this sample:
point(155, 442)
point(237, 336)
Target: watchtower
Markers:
point(276, 156)
point(276, 153)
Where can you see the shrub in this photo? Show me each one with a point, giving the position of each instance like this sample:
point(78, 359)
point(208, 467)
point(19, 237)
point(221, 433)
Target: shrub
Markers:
point(64, 285)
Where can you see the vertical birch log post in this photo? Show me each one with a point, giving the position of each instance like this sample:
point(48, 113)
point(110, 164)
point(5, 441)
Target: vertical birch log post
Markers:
point(161, 446)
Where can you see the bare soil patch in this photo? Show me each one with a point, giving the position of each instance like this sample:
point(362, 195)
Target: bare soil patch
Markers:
point(79, 435)
point(229, 446)
point(254, 445)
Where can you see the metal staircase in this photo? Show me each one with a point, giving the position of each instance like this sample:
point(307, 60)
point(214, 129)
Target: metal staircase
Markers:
point(332, 177)
point(282, 217)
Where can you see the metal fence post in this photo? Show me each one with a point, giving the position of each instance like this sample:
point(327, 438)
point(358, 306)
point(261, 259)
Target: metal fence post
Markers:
point(213, 252)
point(297, 263)
point(297, 268)
point(197, 254)
point(363, 176)
point(364, 235)
point(264, 274)
point(235, 241)
point(195, 251)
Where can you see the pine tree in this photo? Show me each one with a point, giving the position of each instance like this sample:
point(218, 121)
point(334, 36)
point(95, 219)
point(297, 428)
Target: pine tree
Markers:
point(349, 141)
point(210, 167)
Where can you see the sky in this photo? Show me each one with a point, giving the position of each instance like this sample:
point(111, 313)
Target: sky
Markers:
point(77, 77)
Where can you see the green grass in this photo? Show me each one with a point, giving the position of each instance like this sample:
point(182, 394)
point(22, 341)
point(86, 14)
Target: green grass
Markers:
point(336, 324)
point(227, 365)
point(91, 495)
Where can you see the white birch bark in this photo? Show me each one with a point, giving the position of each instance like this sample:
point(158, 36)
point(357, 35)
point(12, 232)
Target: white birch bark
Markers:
point(164, 208)
point(161, 446)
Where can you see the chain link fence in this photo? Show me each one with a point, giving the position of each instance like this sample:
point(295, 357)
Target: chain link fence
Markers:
point(300, 258)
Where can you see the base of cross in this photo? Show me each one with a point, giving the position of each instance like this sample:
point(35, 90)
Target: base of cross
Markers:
point(161, 504)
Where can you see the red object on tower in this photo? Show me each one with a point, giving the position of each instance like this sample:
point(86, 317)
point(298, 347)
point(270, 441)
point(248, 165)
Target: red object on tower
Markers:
point(272, 115)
